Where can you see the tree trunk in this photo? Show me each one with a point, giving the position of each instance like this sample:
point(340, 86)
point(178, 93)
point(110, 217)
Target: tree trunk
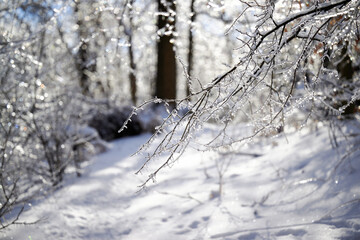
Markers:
point(132, 76)
point(166, 65)
point(191, 46)
point(85, 62)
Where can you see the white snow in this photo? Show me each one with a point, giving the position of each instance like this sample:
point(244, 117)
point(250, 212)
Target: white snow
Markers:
point(290, 192)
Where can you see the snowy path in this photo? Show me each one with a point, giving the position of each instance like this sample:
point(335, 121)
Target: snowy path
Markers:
point(287, 193)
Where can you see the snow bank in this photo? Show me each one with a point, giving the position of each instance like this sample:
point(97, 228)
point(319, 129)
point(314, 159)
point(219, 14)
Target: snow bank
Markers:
point(293, 188)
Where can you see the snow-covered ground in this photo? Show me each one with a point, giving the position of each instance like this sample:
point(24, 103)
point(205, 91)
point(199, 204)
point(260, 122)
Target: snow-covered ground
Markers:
point(293, 190)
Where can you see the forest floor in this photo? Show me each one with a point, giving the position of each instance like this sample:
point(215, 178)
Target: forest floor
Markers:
point(297, 187)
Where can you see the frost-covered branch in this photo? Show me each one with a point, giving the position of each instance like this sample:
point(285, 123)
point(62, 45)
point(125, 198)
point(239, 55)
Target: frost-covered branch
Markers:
point(272, 78)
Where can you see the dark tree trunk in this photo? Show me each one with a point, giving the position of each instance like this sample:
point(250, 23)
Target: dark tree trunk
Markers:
point(132, 76)
point(85, 62)
point(166, 66)
point(191, 46)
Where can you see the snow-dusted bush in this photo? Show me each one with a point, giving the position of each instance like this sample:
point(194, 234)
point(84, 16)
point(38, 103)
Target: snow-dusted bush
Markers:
point(108, 124)
point(39, 102)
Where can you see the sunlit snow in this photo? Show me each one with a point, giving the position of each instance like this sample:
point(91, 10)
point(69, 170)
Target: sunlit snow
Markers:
point(292, 188)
